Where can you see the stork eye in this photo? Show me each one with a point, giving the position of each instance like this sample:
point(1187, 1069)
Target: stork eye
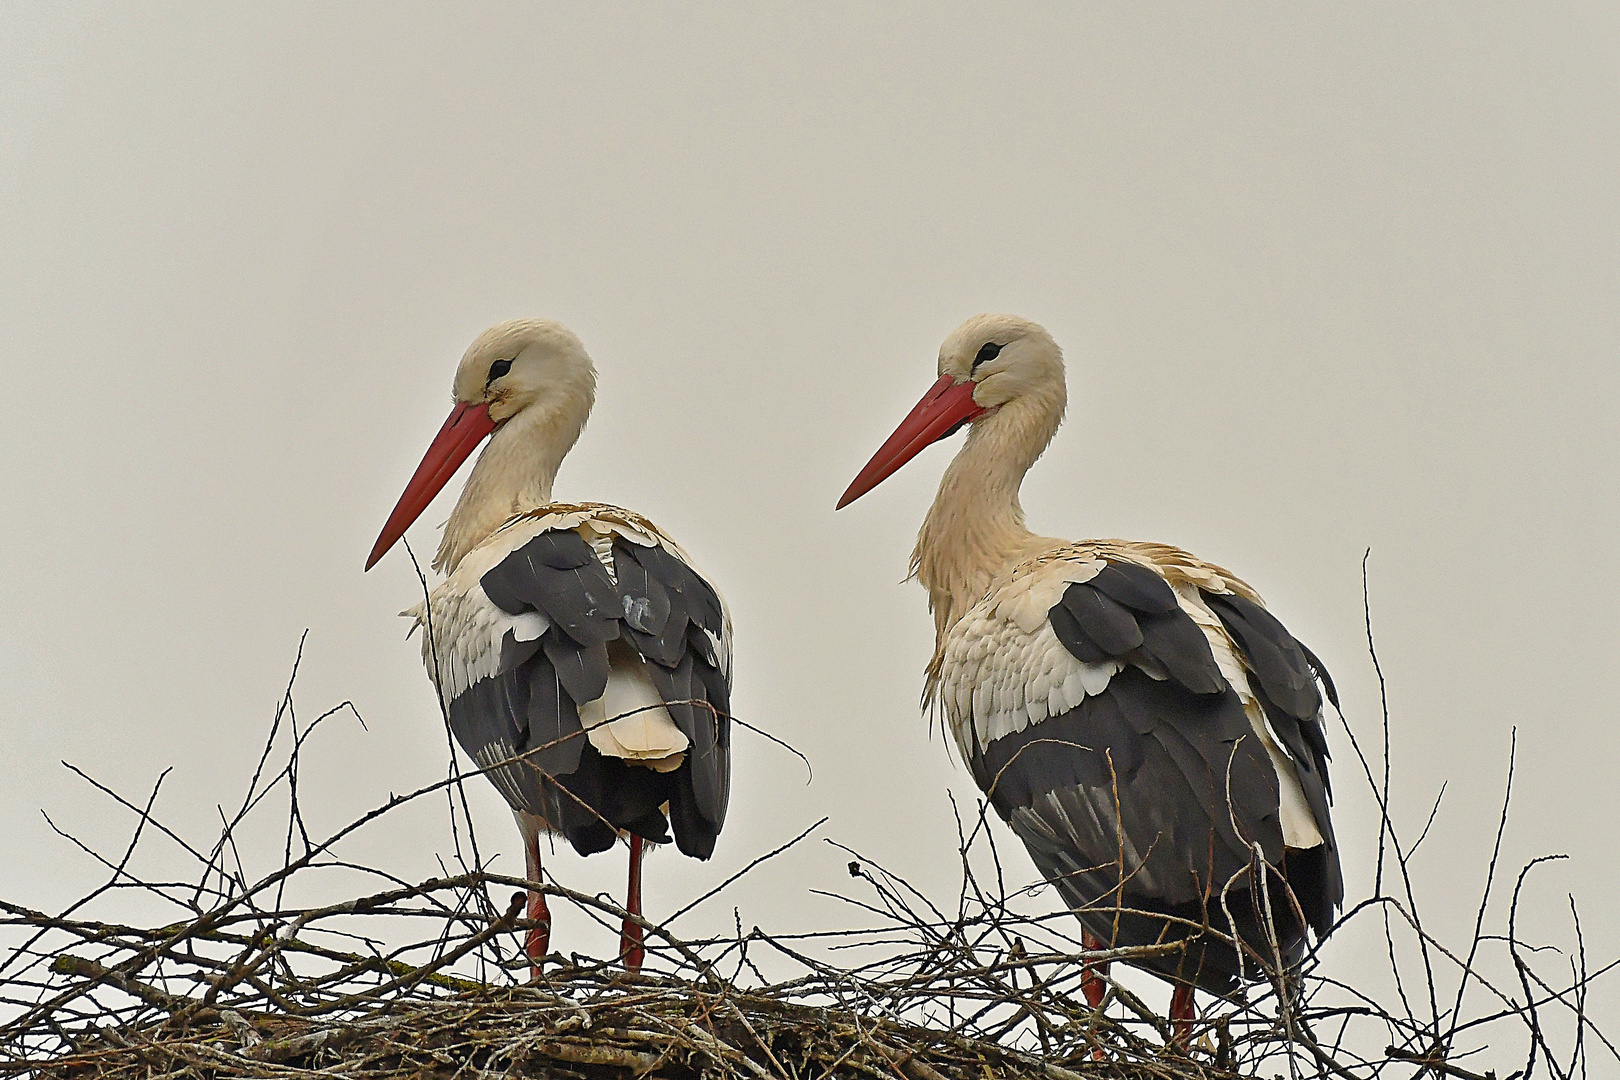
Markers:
point(989, 351)
point(497, 369)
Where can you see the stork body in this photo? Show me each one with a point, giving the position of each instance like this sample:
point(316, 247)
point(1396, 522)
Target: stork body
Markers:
point(1149, 731)
point(582, 662)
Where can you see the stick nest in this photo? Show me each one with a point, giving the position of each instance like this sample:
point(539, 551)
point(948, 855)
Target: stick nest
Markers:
point(239, 992)
point(429, 979)
point(573, 1024)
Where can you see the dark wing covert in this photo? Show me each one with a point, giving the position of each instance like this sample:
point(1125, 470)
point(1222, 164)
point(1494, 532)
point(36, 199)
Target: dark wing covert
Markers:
point(659, 607)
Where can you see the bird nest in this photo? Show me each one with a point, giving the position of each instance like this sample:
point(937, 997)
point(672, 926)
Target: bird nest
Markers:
point(253, 988)
point(429, 979)
point(246, 992)
point(365, 1016)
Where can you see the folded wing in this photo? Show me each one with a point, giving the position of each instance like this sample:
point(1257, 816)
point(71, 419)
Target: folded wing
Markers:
point(585, 665)
point(1152, 736)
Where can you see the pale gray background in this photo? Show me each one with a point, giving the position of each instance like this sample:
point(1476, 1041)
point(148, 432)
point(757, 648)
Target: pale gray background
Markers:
point(1326, 280)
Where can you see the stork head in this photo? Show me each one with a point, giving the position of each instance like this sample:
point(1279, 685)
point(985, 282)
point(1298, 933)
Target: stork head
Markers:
point(986, 365)
point(527, 377)
point(523, 364)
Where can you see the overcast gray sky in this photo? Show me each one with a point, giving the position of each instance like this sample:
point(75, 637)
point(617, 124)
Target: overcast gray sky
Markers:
point(1327, 279)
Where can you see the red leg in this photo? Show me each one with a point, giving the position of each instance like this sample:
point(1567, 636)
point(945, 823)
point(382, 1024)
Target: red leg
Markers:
point(538, 942)
point(630, 941)
point(1182, 1014)
point(1091, 983)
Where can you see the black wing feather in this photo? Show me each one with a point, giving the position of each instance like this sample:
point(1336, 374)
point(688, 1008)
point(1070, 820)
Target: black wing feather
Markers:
point(1136, 587)
point(1270, 652)
point(1119, 611)
point(532, 704)
point(1321, 672)
point(554, 727)
point(1103, 622)
point(646, 602)
point(579, 598)
point(489, 719)
point(1146, 797)
point(1176, 642)
point(659, 626)
point(1154, 794)
point(1279, 663)
point(703, 602)
point(1067, 628)
point(583, 669)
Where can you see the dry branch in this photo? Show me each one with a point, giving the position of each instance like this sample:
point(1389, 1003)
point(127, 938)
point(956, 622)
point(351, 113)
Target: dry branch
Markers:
point(427, 979)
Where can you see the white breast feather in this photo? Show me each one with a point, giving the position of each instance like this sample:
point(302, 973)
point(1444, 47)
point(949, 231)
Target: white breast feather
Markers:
point(467, 633)
point(1004, 668)
point(1032, 589)
point(467, 626)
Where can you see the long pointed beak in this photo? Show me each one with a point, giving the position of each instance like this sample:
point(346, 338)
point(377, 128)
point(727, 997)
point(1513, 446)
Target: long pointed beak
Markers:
point(469, 422)
point(946, 406)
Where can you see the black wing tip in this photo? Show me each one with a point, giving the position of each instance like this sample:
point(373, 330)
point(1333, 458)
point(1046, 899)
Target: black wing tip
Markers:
point(1320, 670)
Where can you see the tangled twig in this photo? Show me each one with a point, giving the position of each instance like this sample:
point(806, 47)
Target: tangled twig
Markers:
point(428, 978)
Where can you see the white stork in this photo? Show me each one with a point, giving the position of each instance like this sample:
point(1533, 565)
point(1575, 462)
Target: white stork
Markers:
point(1147, 729)
point(582, 662)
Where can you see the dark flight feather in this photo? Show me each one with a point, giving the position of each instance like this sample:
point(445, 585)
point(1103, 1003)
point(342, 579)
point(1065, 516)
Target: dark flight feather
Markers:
point(1155, 794)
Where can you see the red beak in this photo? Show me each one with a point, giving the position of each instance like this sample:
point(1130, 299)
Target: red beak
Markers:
point(468, 424)
point(946, 406)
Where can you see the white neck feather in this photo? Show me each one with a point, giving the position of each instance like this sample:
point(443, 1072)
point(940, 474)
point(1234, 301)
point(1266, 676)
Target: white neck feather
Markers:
point(975, 529)
point(514, 474)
